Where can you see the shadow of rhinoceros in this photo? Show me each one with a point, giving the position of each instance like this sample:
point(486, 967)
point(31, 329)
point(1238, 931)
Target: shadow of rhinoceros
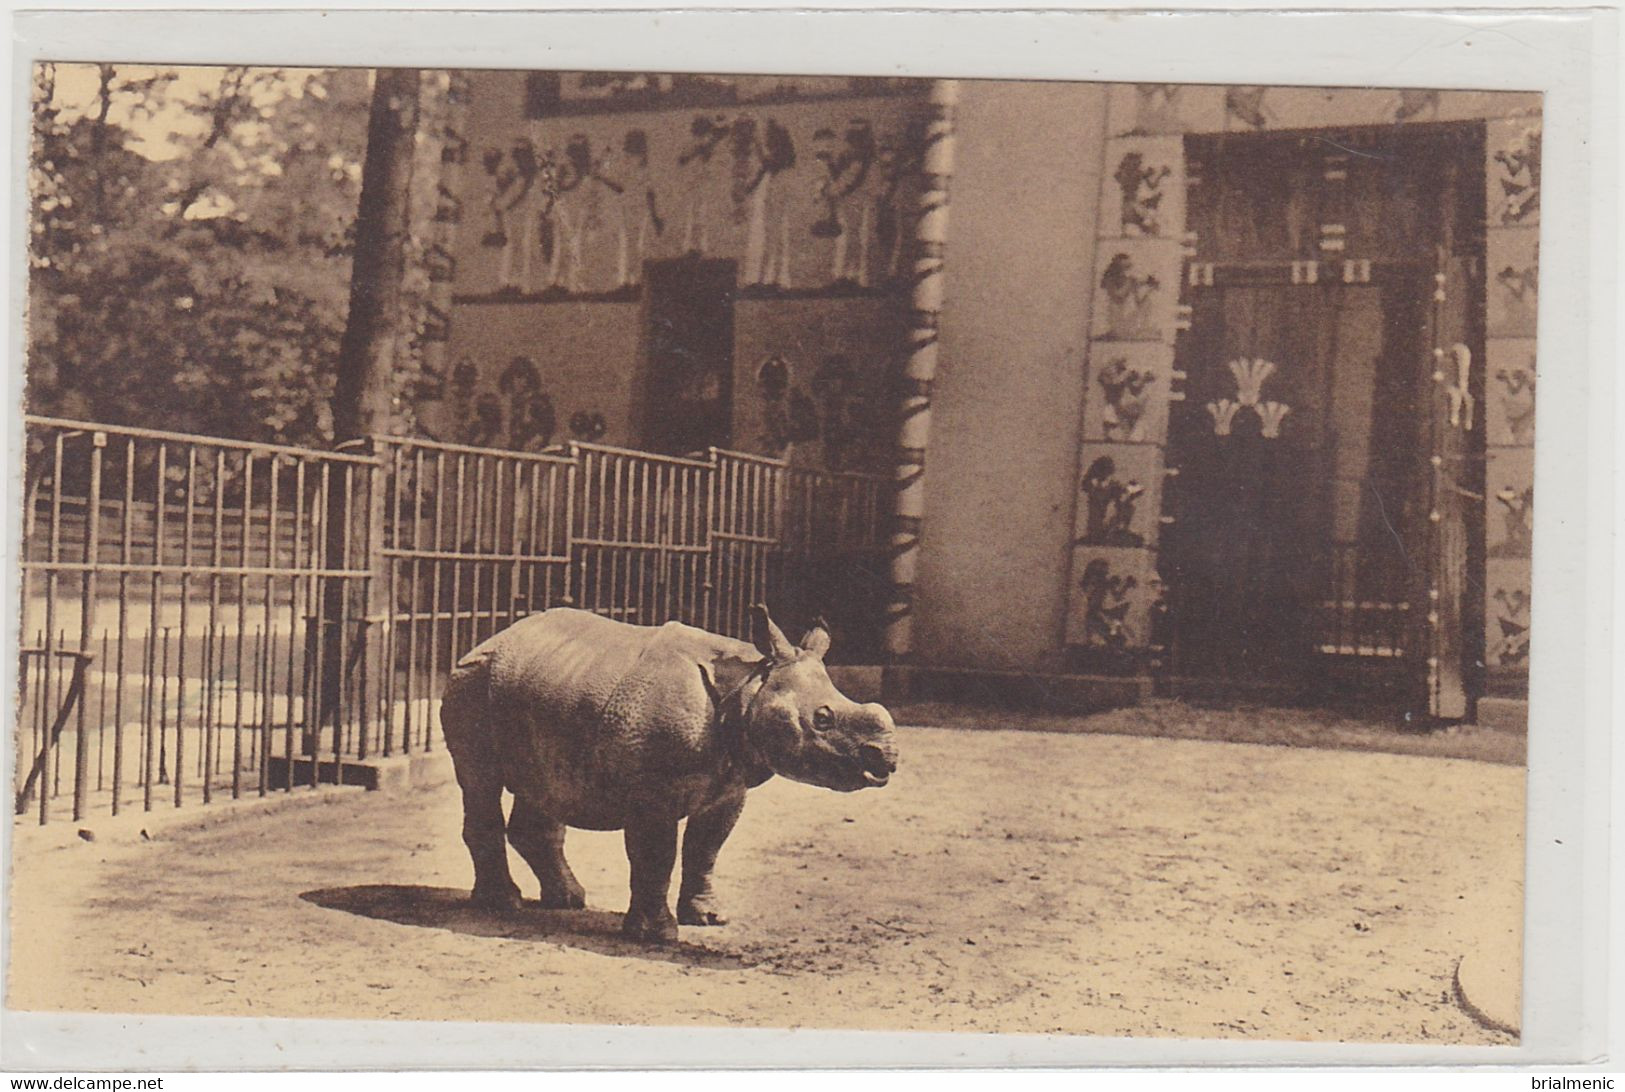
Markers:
point(446, 908)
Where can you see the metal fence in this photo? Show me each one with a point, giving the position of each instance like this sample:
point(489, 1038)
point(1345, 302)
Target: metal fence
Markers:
point(207, 617)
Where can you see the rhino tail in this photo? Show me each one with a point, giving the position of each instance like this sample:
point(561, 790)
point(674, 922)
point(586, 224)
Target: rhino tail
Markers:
point(466, 699)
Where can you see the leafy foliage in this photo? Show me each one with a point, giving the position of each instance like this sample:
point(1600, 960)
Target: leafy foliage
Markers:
point(206, 291)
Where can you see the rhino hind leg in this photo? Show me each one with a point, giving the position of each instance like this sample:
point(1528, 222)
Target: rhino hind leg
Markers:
point(463, 721)
point(540, 841)
point(483, 834)
point(702, 840)
point(651, 847)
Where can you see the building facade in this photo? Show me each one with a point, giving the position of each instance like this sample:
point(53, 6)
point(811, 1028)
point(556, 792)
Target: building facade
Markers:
point(1232, 383)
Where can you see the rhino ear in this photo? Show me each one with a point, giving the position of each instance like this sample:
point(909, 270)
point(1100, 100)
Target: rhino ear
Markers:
point(816, 639)
point(769, 639)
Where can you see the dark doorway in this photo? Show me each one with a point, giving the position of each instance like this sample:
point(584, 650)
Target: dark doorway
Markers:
point(688, 395)
point(1322, 543)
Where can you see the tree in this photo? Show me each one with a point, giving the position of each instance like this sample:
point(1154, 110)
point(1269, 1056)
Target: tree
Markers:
point(199, 281)
point(365, 382)
point(361, 400)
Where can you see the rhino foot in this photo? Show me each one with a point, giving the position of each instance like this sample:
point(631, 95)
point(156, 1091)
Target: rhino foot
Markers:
point(660, 928)
point(699, 911)
point(504, 899)
point(573, 897)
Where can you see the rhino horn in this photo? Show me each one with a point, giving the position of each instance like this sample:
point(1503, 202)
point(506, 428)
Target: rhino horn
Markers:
point(769, 639)
point(816, 639)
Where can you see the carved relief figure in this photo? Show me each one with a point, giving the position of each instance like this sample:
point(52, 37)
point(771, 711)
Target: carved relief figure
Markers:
point(1518, 172)
point(790, 416)
point(1109, 506)
point(1106, 606)
point(531, 419)
point(846, 169)
point(1247, 105)
point(760, 157)
point(1141, 189)
point(523, 192)
point(895, 164)
point(1518, 404)
point(1126, 391)
point(1519, 517)
point(1156, 108)
point(1413, 104)
point(485, 425)
point(576, 215)
point(1130, 300)
point(464, 377)
point(1517, 289)
point(638, 221)
point(1512, 618)
point(698, 166)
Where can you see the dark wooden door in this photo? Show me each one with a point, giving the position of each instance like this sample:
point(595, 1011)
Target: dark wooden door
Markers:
point(1324, 512)
point(1296, 503)
point(688, 397)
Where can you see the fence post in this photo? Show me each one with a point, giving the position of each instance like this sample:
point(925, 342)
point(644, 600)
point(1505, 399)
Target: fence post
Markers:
point(352, 542)
point(376, 619)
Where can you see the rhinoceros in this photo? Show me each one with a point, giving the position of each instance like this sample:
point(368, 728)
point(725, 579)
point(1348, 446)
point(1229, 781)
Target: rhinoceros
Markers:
point(598, 724)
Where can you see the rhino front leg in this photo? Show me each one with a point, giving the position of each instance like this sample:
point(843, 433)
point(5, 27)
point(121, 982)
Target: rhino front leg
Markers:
point(540, 841)
point(702, 840)
point(651, 847)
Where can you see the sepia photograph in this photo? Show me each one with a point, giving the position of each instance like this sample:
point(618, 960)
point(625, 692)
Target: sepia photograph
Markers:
point(662, 549)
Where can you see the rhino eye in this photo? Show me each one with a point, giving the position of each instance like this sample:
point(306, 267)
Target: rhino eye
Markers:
point(823, 718)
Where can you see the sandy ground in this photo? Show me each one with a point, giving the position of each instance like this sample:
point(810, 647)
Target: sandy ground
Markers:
point(1012, 881)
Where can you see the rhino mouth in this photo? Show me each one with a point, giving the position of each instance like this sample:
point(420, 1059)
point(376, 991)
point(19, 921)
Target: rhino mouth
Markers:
point(875, 766)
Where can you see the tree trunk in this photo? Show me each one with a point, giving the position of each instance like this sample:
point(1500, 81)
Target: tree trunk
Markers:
point(355, 612)
point(361, 398)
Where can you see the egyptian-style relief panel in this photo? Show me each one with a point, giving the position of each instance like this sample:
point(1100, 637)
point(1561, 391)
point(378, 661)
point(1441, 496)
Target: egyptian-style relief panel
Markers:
point(1510, 483)
point(1119, 495)
point(1506, 615)
point(1154, 108)
point(1509, 388)
point(808, 197)
point(505, 384)
point(1146, 194)
point(1137, 290)
point(1115, 591)
point(1512, 257)
point(1512, 172)
point(1127, 399)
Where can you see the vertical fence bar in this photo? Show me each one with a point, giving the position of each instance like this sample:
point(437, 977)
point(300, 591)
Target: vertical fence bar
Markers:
point(186, 603)
point(48, 659)
point(243, 677)
point(273, 552)
point(298, 637)
point(87, 618)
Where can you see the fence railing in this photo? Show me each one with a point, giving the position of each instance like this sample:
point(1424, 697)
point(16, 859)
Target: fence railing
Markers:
point(206, 617)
